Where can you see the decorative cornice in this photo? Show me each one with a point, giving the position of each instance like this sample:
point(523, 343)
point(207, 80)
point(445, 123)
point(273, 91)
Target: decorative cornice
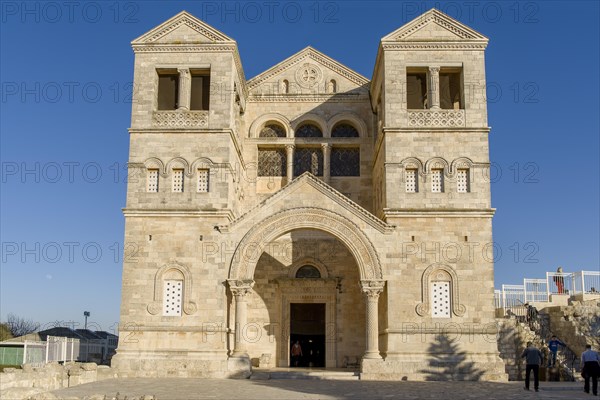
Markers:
point(190, 213)
point(309, 98)
point(184, 48)
point(436, 213)
point(434, 46)
point(438, 129)
point(315, 55)
point(183, 18)
point(434, 16)
point(325, 189)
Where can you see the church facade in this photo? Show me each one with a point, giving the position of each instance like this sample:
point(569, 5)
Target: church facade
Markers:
point(309, 205)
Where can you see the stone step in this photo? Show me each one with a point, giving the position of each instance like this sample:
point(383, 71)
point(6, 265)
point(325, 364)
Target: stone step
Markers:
point(306, 374)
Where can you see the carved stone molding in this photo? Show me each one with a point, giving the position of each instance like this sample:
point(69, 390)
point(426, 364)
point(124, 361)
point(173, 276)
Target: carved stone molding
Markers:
point(240, 287)
point(436, 118)
point(189, 307)
point(308, 75)
point(180, 119)
point(372, 288)
point(252, 245)
point(424, 307)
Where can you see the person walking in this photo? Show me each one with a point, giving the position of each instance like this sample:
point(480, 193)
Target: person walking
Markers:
point(296, 353)
point(591, 369)
point(553, 347)
point(533, 360)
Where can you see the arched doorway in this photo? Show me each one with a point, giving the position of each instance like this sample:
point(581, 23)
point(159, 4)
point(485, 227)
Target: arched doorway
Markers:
point(288, 297)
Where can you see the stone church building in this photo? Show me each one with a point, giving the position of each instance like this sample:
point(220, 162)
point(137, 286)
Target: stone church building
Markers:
point(309, 205)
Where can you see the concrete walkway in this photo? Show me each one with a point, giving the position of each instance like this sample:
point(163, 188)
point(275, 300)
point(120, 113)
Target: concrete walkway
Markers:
point(290, 389)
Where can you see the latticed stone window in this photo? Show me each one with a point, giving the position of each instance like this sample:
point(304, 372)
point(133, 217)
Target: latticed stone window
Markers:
point(203, 175)
point(272, 131)
point(308, 130)
point(178, 180)
point(440, 299)
point(152, 182)
point(345, 162)
point(172, 297)
point(344, 130)
point(437, 180)
point(462, 181)
point(310, 160)
point(272, 162)
point(410, 175)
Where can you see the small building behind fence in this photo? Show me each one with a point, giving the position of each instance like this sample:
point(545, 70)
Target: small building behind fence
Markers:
point(59, 344)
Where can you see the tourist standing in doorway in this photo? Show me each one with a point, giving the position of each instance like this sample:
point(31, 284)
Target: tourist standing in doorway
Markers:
point(591, 369)
point(533, 360)
point(296, 353)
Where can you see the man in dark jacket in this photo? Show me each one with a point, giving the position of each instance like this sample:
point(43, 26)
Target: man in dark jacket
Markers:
point(533, 359)
point(590, 360)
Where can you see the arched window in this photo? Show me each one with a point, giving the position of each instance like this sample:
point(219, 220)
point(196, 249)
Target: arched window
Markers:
point(308, 271)
point(308, 130)
point(285, 86)
point(332, 86)
point(344, 130)
point(272, 130)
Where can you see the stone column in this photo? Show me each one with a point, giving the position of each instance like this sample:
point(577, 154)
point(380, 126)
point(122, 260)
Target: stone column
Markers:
point(372, 289)
point(289, 148)
point(239, 289)
point(434, 88)
point(326, 147)
point(185, 89)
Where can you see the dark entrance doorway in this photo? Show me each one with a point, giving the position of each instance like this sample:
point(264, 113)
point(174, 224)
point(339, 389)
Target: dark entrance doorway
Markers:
point(307, 327)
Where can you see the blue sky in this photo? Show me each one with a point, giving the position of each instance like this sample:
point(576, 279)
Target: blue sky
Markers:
point(66, 71)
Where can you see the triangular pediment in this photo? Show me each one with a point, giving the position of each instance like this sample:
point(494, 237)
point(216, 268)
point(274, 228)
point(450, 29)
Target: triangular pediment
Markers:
point(183, 28)
point(434, 26)
point(320, 69)
point(307, 191)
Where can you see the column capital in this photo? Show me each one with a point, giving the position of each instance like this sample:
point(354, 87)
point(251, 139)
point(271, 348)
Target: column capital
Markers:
point(290, 147)
point(372, 288)
point(434, 69)
point(183, 71)
point(240, 287)
point(325, 146)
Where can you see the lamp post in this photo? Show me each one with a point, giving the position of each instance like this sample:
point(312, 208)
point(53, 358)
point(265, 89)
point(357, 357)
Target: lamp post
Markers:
point(86, 314)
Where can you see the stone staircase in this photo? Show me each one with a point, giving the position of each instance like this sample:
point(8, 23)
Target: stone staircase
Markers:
point(304, 373)
point(514, 334)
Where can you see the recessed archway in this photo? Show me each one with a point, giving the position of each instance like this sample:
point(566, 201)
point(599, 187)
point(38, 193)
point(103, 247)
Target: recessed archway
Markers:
point(252, 245)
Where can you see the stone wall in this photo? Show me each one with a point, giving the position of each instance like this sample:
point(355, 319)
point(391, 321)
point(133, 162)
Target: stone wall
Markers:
point(577, 324)
point(512, 340)
point(48, 377)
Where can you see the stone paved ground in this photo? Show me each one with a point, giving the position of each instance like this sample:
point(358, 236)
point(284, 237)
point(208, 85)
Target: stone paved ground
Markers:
point(187, 389)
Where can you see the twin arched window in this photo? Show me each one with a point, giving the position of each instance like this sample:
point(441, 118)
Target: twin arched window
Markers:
point(344, 130)
point(308, 130)
point(272, 130)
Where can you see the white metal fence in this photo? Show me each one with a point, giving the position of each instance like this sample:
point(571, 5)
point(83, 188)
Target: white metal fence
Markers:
point(61, 349)
point(513, 297)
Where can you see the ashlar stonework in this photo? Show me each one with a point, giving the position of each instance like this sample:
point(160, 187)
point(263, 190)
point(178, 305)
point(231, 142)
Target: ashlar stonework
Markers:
point(309, 204)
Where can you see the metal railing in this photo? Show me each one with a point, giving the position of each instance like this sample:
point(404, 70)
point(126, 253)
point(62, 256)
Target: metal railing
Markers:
point(511, 298)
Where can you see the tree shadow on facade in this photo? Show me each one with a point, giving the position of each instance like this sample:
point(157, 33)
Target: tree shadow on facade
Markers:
point(448, 363)
point(511, 345)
